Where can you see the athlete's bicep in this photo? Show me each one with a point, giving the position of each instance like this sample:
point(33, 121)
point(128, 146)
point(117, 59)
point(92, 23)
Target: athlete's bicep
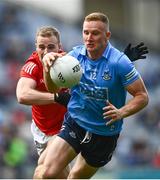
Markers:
point(137, 88)
point(24, 85)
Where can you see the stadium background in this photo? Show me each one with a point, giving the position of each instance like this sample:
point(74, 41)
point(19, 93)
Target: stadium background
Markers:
point(138, 151)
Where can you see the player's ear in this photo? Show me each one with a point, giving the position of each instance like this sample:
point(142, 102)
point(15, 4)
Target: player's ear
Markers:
point(60, 48)
point(35, 44)
point(108, 35)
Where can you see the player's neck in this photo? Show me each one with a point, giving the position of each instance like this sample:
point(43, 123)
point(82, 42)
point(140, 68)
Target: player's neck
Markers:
point(96, 54)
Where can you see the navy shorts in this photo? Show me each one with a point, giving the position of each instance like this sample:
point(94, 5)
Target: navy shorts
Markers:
point(97, 150)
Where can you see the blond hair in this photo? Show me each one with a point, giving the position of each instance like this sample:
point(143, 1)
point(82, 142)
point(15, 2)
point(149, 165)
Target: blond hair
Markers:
point(98, 16)
point(48, 31)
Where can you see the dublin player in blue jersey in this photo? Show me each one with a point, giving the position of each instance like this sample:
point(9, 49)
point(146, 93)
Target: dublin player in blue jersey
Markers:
point(97, 106)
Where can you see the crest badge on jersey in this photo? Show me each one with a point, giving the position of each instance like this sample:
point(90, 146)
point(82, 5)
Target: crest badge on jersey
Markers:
point(106, 76)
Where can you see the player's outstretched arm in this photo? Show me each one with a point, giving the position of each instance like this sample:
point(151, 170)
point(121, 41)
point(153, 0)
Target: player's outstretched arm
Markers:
point(137, 52)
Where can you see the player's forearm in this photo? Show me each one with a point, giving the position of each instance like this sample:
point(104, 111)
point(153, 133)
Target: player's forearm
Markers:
point(134, 105)
point(34, 97)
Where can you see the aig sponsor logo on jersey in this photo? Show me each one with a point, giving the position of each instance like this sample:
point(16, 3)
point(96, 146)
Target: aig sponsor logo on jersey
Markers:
point(106, 76)
point(94, 92)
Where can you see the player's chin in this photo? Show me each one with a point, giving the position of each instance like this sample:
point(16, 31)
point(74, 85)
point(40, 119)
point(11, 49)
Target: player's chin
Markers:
point(90, 48)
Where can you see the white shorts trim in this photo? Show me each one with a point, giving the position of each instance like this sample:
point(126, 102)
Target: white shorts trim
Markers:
point(40, 138)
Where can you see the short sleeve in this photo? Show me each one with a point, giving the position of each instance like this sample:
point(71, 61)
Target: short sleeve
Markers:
point(127, 71)
point(30, 70)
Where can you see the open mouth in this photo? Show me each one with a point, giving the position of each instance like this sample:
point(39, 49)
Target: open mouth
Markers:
point(89, 45)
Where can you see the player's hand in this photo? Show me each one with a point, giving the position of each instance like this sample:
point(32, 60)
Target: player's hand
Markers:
point(111, 113)
point(136, 52)
point(49, 59)
point(63, 98)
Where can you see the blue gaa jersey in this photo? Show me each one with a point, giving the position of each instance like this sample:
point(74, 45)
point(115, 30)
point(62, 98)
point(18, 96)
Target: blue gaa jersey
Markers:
point(102, 80)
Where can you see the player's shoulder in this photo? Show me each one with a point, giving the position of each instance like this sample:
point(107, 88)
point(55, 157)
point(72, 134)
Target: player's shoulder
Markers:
point(77, 50)
point(31, 64)
point(33, 58)
point(121, 61)
point(116, 53)
point(117, 56)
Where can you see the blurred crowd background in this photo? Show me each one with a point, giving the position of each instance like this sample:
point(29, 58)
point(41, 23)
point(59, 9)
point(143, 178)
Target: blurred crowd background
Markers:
point(138, 151)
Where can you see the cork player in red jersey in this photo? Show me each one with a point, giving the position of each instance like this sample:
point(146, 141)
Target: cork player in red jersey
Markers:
point(47, 113)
